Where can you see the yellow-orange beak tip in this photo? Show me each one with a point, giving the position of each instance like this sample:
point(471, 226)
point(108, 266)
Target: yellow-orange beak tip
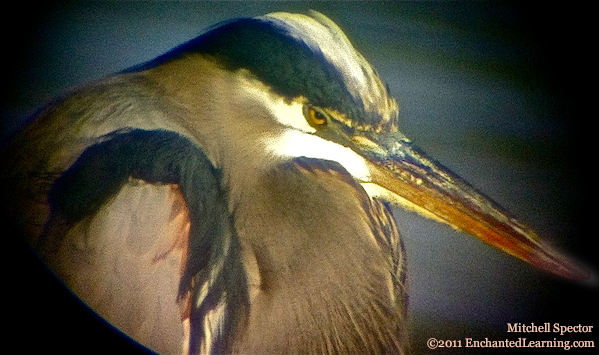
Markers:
point(420, 184)
point(547, 258)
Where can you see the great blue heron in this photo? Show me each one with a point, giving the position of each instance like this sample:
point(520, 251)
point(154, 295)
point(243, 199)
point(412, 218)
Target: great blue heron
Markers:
point(187, 200)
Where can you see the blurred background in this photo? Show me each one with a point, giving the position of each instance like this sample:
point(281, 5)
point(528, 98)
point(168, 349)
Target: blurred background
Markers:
point(494, 91)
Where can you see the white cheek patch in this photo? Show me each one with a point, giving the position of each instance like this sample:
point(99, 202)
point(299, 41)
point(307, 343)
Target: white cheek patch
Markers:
point(289, 114)
point(298, 139)
point(292, 143)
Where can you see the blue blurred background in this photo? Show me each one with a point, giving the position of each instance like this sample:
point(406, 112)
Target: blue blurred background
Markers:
point(492, 90)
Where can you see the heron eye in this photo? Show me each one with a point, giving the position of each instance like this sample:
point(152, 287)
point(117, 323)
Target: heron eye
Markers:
point(315, 116)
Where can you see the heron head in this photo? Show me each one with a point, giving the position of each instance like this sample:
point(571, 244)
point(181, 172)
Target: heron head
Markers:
point(325, 101)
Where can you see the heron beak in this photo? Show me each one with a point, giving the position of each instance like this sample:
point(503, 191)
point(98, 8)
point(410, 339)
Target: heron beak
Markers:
point(408, 177)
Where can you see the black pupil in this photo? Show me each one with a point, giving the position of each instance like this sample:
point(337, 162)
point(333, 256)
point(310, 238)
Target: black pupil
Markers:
point(319, 116)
